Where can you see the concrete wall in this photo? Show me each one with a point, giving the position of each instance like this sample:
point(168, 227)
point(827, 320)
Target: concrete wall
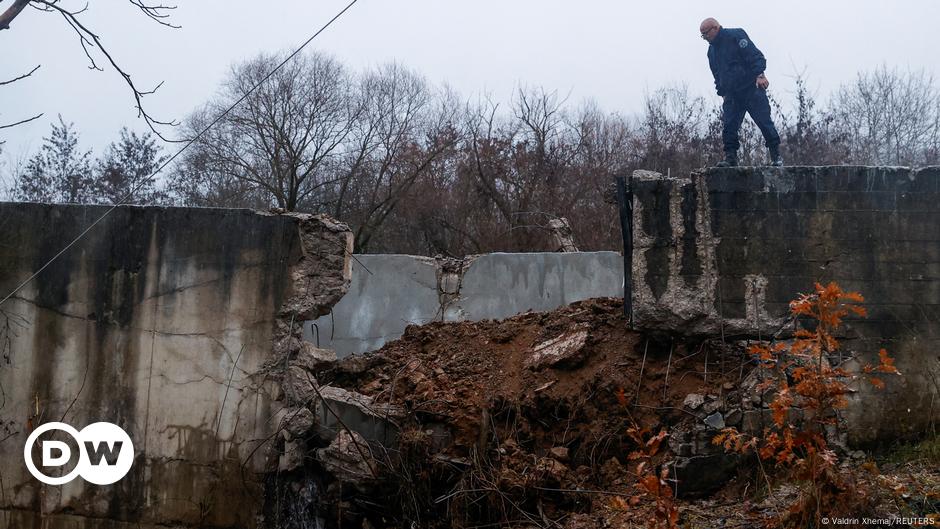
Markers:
point(159, 320)
point(390, 292)
point(727, 249)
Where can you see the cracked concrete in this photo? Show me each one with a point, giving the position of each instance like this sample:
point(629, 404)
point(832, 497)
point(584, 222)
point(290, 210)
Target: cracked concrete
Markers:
point(686, 299)
point(159, 321)
point(724, 250)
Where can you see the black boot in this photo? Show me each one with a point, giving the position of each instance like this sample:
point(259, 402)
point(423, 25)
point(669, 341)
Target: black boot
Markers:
point(729, 161)
point(775, 159)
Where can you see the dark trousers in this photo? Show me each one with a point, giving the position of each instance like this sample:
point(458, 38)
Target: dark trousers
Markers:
point(755, 103)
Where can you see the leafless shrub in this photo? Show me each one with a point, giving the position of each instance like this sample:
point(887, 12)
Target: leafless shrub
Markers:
point(889, 117)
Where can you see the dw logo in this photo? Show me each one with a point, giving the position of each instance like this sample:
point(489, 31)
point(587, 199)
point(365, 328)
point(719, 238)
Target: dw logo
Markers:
point(105, 453)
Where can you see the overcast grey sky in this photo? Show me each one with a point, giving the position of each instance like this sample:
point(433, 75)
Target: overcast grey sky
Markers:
point(609, 51)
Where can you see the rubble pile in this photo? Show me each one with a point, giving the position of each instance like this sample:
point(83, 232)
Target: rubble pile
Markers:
point(520, 422)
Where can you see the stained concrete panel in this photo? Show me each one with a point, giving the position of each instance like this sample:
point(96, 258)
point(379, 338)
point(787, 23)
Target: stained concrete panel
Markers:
point(500, 285)
point(390, 292)
point(159, 320)
point(387, 293)
point(725, 251)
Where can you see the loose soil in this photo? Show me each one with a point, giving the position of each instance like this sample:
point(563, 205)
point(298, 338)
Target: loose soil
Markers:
point(487, 440)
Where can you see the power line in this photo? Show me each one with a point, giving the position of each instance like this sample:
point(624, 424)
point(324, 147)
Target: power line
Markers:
point(218, 118)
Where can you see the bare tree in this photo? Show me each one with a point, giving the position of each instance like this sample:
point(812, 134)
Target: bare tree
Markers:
point(286, 140)
point(92, 45)
point(199, 179)
point(403, 130)
point(316, 138)
point(889, 117)
point(809, 136)
point(677, 132)
point(605, 153)
point(523, 169)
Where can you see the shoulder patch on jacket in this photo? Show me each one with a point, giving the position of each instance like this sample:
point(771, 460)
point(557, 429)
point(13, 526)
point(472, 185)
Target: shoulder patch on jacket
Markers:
point(743, 43)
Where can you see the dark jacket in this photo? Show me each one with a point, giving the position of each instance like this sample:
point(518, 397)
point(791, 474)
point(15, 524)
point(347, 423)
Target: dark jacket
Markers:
point(735, 61)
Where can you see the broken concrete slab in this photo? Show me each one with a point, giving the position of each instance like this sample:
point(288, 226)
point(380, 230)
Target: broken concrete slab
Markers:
point(341, 410)
point(325, 247)
point(693, 401)
point(298, 421)
point(311, 357)
point(714, 404)
point(699, 475)
point(292, 457)
point(564, 349)
point(715, 420)
point(348, 458)
point(298, 386)
point(562, 235)
point(733, 417)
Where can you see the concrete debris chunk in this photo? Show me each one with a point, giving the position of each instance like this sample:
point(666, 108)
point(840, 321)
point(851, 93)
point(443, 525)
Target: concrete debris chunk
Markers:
point(563, 235)
point(292, 457)
point(342, 409)
point(712, 406)
point(330, 271)
point(311, 357)
point(754, 421)
point(560, 453)
point(348, 458)
point(363, 402)
point(703, 474)
point(298, 421)
point(693, 401)
point(566, 348)
point(715, 420)
point(298, 386)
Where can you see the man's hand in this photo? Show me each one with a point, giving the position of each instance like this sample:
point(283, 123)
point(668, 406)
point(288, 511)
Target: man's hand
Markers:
point(762, 82)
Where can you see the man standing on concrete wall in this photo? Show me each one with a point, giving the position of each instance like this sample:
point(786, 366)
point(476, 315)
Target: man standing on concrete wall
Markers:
point(738, 68)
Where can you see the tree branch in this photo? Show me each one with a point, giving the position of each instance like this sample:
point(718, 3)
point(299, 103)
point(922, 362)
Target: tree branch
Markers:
point(24, 76)
point(156, 12)
point(27, 120)
point(89, 39)
point(11, 13)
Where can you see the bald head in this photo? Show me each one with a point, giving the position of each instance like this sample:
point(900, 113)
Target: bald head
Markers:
point(709, 28)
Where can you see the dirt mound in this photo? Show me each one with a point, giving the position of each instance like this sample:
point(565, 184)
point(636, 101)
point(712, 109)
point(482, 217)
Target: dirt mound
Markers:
point(525, 420)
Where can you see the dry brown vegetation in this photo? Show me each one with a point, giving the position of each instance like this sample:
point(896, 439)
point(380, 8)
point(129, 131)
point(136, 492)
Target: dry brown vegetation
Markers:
point(416, 168)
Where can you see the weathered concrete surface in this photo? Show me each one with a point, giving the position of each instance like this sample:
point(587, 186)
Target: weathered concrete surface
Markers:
point(387, 293)
point(723, 252)
point(390, 292)
point(158, 320)
point(500, 285)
